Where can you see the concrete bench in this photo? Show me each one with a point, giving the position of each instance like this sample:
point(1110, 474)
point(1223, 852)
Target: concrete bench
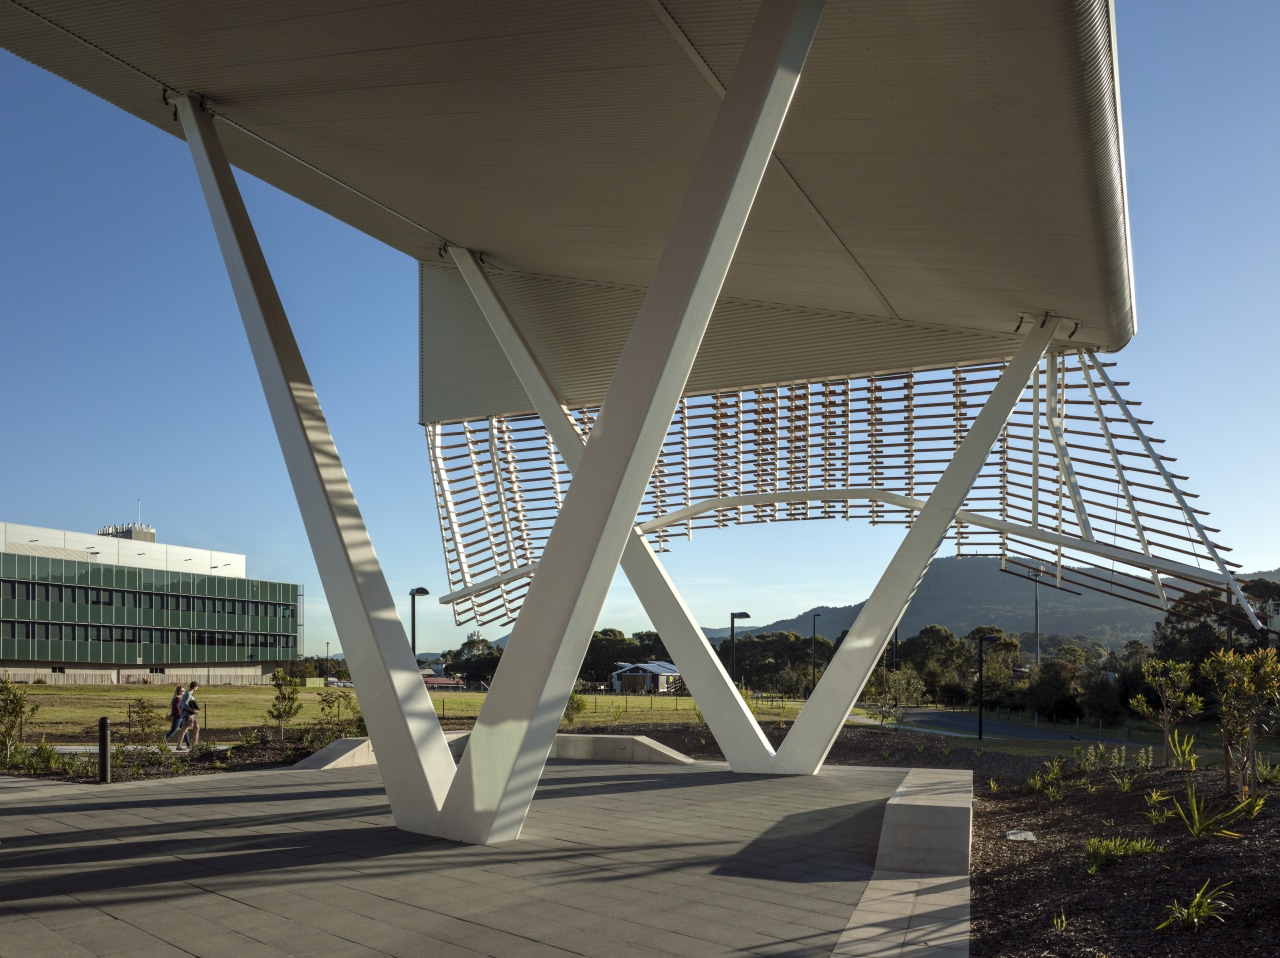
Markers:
point(340, 753)
point(928, 824)
point(631, 749)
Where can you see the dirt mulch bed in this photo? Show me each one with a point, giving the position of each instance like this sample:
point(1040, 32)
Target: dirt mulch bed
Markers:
point(1018, 887)
point(139, 765)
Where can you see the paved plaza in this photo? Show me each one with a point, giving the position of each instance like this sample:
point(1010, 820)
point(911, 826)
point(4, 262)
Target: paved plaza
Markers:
point(614, 860)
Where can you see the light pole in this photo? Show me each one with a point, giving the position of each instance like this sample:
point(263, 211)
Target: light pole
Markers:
point(413, 618)
point(733, 642)
point(813, 652)
point(327, 670)
point(981, 640)
point(1036, 576)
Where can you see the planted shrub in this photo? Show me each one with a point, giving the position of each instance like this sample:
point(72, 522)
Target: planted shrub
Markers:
point(574, 707)
point(1105, 852)
point(1206, 905)
point(1201, 820)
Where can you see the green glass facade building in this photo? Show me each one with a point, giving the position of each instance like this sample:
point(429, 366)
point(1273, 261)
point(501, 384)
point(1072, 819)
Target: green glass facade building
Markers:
point(60, 613)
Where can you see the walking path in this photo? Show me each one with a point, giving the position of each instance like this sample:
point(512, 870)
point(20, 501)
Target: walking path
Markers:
point(614, 860)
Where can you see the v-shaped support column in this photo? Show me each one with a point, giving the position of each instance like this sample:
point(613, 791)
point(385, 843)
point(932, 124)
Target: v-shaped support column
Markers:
point(732, 725)
point(818, 724)
point(486, 798)
point(517, 724)
point(413, 755)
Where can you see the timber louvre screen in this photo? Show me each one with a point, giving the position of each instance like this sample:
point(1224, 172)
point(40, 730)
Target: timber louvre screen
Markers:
point(1070, 447)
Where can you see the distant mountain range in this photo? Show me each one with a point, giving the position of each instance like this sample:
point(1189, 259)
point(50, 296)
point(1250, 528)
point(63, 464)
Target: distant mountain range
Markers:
point(964, 593)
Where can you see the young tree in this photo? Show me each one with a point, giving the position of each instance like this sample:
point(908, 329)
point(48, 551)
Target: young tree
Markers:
point(1247, 690)
point(1171, 681)
point(903, 689)
point(145, 721)
point(14, 713)
point(284, 708)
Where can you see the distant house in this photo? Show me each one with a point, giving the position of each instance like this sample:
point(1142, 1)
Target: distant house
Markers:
point(645, 677)
point(444, 682)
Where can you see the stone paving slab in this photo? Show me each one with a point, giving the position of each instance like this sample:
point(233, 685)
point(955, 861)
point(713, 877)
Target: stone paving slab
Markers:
point(902, 915)
point(615, 861)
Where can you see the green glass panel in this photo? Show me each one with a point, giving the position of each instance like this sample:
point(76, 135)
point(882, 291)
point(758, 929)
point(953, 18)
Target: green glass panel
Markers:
point(55, 570)
point(23, 571)
point(8, 565)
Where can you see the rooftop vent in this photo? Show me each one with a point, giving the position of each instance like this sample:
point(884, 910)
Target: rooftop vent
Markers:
point(133, 530)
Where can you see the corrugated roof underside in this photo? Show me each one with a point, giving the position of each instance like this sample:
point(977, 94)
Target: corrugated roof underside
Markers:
point(967, 156)
point(578, 329)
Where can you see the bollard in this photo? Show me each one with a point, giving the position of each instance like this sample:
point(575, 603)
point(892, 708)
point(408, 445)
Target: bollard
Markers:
point(104, 751)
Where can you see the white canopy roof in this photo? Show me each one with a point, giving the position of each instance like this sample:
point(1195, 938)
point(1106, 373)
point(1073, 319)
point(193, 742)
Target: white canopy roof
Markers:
point(945, 166)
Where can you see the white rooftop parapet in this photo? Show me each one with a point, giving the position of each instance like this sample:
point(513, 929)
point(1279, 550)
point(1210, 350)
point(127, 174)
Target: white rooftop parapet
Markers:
point(87, 547)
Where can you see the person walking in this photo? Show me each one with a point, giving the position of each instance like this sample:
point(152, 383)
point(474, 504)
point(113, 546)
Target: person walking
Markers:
point(190, 715)
point(175, 714)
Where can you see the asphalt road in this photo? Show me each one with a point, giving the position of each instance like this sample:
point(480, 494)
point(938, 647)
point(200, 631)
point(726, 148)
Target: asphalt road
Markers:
point(962, 723)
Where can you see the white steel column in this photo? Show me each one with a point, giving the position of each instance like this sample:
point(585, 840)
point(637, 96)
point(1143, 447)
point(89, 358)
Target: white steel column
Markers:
point(732, 725)
point(816, 728)
point(413, 755)
point(513, 734)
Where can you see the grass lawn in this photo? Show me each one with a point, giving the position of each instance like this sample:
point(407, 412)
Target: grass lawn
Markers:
point(70, 713)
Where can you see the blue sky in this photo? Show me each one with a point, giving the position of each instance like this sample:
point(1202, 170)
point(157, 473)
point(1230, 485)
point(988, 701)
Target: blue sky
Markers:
point(126, 375)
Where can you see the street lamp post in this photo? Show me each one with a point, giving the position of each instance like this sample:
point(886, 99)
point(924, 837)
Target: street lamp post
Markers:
point(981, 640)
point(733, 642)
point(1036, 576)
point(327, 670)
point(813, 652)
point(413, 617)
